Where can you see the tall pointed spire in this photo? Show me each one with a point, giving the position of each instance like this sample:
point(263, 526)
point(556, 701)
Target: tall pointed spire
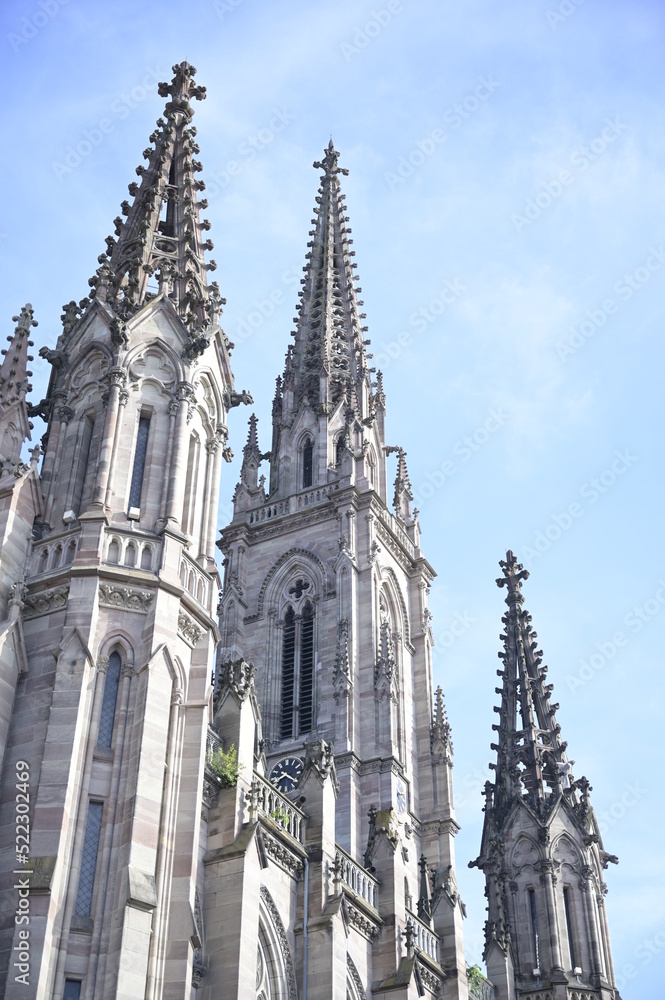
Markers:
point(531, 758)
point(162, 233)
point(14, 387)
point(328, 359)
point(542, 853)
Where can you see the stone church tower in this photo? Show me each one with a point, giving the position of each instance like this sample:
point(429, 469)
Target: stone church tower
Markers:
point(108, 589)
point(546, 934)
point(349, 861)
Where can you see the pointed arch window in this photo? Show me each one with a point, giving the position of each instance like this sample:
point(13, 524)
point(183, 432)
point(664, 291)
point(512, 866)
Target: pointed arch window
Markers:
point(109, 700)
point(535, 935)
point(297, 708)
point(307, 462)
point(140, 454)
point(569, 926)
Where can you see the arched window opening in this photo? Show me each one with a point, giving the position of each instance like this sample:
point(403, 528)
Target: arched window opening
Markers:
point(82, 468)
point(535, 935)
point(307, 458)
point(57, 557)
point(109, 700)
point(569, 927)
point(189, 503)
point(130, 555)
point(146, 558)
point(114, 552)
point(288, 670)
point(71, 552)
point(306, 669)
point(43, 561)
point(267, 983)
point(140, 454)
point(297, 717)
point(339, 449)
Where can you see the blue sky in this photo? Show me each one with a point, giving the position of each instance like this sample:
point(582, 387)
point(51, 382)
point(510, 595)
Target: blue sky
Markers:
point(505, 189)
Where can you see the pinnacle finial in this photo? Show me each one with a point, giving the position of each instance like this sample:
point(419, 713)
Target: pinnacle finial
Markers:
point(162, 238)
point(513, 575)
point(329, 162)
point(15, 385)
point(403, 493)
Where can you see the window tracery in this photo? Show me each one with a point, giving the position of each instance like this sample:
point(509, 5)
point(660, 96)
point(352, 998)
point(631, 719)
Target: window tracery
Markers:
point(297, 659)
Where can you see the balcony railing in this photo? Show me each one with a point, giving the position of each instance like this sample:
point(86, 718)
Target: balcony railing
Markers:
point(355, 877)
point(424, 937)
point(265, 800)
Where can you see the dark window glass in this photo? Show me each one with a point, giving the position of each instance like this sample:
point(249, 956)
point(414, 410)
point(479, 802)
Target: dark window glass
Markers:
point(288, 668)
point(89, 859)
point(72, 989)
point(569, 927)
point(306, 669)
point(307, 463)
point(109, 701)
point(535, 937)
point(139, 462)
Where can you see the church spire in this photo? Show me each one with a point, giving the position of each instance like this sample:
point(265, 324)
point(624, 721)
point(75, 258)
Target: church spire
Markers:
point(14, 387)
point(328, 359)
point(162, 234)
point(541, 853)
point(531, 758)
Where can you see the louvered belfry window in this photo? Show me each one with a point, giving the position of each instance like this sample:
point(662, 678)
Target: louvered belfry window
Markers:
point(297, 711)
point(306, 668)
point(89, 859)
point(288, 668)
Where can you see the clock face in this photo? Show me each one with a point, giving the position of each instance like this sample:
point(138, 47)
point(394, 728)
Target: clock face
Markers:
point(401, 798)
point(285, 774)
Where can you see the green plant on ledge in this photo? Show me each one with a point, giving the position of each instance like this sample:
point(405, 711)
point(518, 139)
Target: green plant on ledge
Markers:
point(224, 765)
point(476, 979)
point(280, 815)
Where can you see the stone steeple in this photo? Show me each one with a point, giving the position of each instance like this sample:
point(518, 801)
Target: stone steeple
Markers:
point(326, 394)
point(541, 852)
point(108, 593)
point(531, 758)
point(162, 234)
point(325, 593)
point(328, 361)
point(14, 387)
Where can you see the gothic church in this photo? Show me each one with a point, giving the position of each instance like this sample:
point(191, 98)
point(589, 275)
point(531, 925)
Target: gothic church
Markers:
point(250, 799)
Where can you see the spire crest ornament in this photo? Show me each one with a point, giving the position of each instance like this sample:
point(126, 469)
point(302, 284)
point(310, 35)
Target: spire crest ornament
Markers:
point(162, 235)
point(328, 358)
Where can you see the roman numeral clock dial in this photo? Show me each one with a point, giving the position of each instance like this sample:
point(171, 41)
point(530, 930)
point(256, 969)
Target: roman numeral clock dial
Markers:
point(285, 774)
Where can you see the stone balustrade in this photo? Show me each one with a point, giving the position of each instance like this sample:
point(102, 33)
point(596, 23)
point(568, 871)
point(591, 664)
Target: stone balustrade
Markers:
point(266, 800)
point(424, 938)
point(355, 877)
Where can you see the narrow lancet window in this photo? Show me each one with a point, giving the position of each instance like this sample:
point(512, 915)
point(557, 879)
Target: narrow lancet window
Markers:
point(306, 669)
point(569, 927)
point(83, 464)
point(89, 859)
point(109, 701)
point(535, 936)
point(189, 503)
point(138, 471)
point(288, 672)
point(307, 463)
